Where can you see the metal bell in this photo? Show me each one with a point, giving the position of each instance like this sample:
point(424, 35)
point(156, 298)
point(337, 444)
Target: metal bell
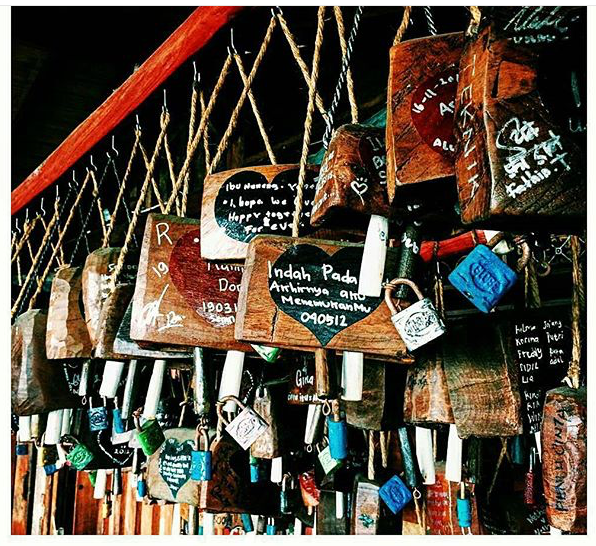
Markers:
point(80, 455)
point(484, 278)
point(149, 434)
point(98, 417)
point(419, 323)
point(200, 469)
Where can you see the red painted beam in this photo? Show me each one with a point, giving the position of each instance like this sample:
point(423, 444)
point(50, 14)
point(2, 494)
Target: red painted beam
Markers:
point(187, 39)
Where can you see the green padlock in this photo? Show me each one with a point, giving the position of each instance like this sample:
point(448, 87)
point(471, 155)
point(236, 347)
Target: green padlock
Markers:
point(149, 434)
point(80, 455)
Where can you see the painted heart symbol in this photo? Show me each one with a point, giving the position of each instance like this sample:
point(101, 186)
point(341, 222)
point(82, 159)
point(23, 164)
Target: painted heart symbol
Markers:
point(247, 205)
point(210, 288)
point(433, 109)
point(320, 291)
point(175, 460)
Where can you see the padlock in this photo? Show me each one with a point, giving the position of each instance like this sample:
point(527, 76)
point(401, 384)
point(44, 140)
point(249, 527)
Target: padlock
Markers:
point(338, 432)
point(285, 504)
point(149, 434)
point(117, 421)
point(464, 509)
point(200, 469)
point(328, 463)
point(98, 417)
point(271, 527)
point(255, 470)
point(484, 278)
point(21, 449)
point(50, 469)
point(92, 477)
point(47, 454)
point(106, 507)
point(141, 486)
point(395, 494)
point(247, 523)
point(419, 323)
point(308, 489)
point(246, 427)
point(79, 456)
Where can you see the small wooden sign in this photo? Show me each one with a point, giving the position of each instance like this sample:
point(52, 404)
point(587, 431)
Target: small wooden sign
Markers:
point(302, 388)
point(482, 377)
point(180, 298)
point(168, 469)
point(110, 318)
point(37, 385)
point(515, 164)
point(420, 107)
point(67, 335)
point(304, 293)
point(352, 176)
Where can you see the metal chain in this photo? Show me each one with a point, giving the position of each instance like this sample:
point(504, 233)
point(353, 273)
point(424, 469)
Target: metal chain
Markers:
point(430, 22)
point(345, 63)
point(91, 205)
point(44, 251)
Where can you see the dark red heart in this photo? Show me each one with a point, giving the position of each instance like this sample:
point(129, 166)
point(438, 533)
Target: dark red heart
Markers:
point(210, 288)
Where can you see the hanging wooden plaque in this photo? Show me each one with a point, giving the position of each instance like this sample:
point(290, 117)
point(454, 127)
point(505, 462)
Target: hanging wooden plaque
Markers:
point(110, 318)
point(352, 176)
point(564, 458)
point(37, 385)
point(67, 335)
point(517, 164)
point(482, 377)
point(420, 106)
point(301, 386)
point(180, 298)
point(304, 293)
point(426, 397)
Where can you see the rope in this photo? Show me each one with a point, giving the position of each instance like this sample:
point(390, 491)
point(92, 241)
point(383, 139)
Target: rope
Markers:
point(345, 63)
point(45, 227)
point(301, 64)
point(192, 121)
point(430, 21)
point(403, 26)
point(577, 307)
point(531, 288)
point(164, 122)
point(223, 143)
point(255, 110)
point(383, 439)
point(308, 121)
point(171, 170)
point(27, 230)
point(197, 136)
point(371, 455)
point(341, 29)
point(156, 191)
point(205, 134)
point(61, 235)
point(474, 20)
point(97, 199)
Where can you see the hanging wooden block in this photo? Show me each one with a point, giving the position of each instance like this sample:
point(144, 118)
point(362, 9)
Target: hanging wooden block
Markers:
point(67, 335)
point(123, 344)
point(109, 321)
point(242, 203)
point(420, 106)
point(380, 408)
point(304, 293)
point(482, 377)
point(327, 521)
point(426, 396)
point(180, 298)
point(37, 385)
point(301, 386)
point(169, 469)
point(352, 177)
point(230, 488)
point(517, 162)
point(366, 508)
point(564, 458)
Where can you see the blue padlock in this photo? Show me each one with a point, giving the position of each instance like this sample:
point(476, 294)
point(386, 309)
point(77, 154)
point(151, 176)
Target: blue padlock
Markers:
point(21, 449)
point(271, 528)
point(50, 469)
point(255, 471)
point(464, 512)
point(141, 487)
point(98, 417)
point(338, 433)
point(395, 494)
point(200, 469)
point(484, 278)
point(117, 420)
point(247, 523)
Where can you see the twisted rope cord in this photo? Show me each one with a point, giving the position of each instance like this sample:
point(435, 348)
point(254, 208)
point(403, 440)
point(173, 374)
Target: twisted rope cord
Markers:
point(383, 439)
point(403, 26)
point(223, 143)
point(197, 137)
point(192, 121)
point(577, 307)
point(97, 199)
point(80, 214)
point(43, 248)
point(27, 230)
point(371, 455)
point(341, 30)
point(171, 169)
point(345, 63)
point(61, 235)
point(308, 121)
point(301, 64)
point(164, 122)
point(45, 227)
point(156, 191)
point(430, 21)
point(474, 20)
point(205, 133)
point(255, 110)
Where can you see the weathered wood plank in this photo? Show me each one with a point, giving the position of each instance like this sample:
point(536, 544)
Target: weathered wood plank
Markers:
point(23, 475)
point(86, 507)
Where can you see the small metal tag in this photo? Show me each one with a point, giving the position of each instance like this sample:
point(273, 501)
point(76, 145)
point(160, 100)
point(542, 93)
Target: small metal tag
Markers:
point(246, 427)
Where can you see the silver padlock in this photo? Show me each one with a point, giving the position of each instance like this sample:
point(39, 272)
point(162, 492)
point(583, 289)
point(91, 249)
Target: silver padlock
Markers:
point(246, 427)
point(419, 323)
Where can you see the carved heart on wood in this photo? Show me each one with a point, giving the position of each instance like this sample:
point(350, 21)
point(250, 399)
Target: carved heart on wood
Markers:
point(174, 463)
point(248, 205)
point(210, 288)
point(432, 111)
point(320, 291)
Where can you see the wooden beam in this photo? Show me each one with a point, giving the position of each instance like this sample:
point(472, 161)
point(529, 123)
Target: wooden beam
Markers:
point(192, 35)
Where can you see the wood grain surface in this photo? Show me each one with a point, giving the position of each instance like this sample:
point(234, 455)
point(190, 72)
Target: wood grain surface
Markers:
point(180, 298)
point(110, 317)
point(353, 323)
